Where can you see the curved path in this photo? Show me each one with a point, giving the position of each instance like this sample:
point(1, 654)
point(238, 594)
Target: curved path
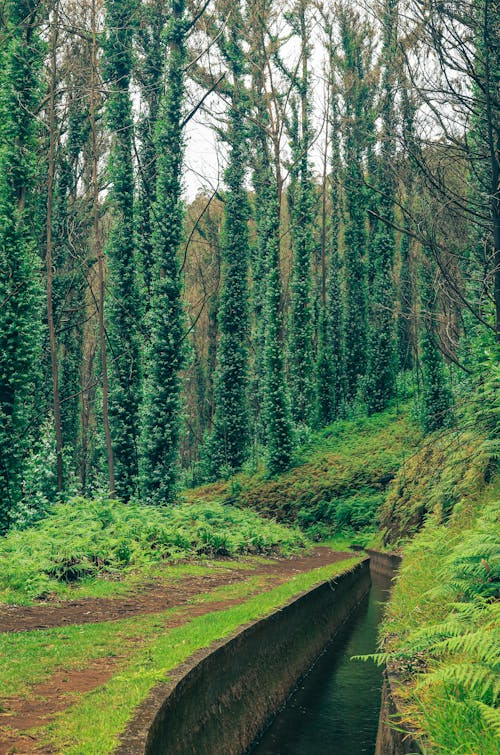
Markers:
point(154, 597)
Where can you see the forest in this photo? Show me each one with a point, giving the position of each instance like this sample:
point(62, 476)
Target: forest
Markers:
point(249, 316)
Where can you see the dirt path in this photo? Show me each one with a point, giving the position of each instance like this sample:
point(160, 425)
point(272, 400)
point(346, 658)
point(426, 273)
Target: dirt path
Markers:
point(151, 598)
point(20, 715)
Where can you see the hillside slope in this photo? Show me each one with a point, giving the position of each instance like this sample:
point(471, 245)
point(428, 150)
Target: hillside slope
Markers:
point(441, 631)
point(339, 480)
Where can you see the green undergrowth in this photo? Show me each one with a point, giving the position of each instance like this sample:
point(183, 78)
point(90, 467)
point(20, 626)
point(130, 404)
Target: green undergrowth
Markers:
point(448, 468)
point(441, 632)
point(94, 543)
point(340, 479)
point(145, 653)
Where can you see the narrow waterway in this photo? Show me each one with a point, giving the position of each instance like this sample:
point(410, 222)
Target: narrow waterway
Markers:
point(335, 709)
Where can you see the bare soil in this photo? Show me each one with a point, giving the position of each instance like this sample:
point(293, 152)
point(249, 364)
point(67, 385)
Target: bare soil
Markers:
point(154, 597)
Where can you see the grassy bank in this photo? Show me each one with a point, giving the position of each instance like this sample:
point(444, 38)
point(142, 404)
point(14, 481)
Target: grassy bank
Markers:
point(441, 630)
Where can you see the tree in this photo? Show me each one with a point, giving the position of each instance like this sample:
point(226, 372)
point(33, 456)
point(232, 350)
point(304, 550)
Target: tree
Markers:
point(94, 116)
point(148, 70)
point(353, 34)
point(463, 42)
point(382, 355)
point(123, 306)
point(330, 366)
point(229, 440)
point(71, 224)
point(406, 346)
point(301, 198)
point(20, 285)
point(277, 419)
point(164, 351)
point(436, 411)
point(51, 117)
point(260, 158)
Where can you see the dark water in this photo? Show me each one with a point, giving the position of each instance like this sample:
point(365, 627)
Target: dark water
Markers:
point(335, 710)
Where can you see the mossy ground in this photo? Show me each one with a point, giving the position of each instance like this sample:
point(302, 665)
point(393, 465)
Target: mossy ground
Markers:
point(339, 480)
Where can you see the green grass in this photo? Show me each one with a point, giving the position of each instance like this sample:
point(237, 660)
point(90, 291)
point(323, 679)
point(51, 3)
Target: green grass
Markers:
point(31, 657)
point(93, 724)
point(441, 630)
point(339, 481)
point(96, 543)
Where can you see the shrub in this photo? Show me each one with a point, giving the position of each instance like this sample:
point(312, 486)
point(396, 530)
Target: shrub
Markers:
point(85, 539)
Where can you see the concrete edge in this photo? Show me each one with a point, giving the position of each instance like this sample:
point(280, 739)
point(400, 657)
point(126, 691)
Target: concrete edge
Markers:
point(391, 739)
point(387, 564)
point(229, 691)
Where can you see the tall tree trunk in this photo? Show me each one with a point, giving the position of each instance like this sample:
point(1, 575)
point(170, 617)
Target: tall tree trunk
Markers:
point(48, 252)
point(100, 254)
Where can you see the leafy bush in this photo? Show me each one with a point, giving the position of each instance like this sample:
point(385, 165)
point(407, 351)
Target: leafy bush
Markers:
point(88, 538)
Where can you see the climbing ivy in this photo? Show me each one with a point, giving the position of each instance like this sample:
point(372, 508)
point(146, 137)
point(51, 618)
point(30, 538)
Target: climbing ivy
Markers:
point(20, 286)
point(164, 350)
point(123, 301)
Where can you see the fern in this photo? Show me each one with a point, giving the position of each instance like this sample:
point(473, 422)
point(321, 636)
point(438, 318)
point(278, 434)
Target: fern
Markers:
point(380, 659)
point(490, 715)
point(477, 680)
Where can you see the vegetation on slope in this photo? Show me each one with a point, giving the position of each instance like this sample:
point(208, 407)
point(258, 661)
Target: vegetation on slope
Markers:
point(441, 631)
point(83, 540)
point(340, 477)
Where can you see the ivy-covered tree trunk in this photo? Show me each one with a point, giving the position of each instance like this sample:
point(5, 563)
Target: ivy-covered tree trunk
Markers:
point(406, 347)
point(382, 353)
point(301, 209)
point(161, 404)
point(259, 270)
point(330, 379)
point(436, 410)
point(71, 228)
point(148, 71)
point(355, 231)
point(277, 417)
point(20, 285)
point(228, 445)
point(123, 303)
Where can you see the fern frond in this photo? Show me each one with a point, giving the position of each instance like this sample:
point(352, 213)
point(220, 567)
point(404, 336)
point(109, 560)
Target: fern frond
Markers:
point(490, 715)
point(476, 679)
point(380, 659)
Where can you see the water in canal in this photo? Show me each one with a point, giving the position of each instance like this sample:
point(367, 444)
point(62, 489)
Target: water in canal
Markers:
point(335, 709)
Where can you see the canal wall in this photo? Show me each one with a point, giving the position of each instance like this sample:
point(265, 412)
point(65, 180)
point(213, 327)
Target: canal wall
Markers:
point(386, 564)
point(390, 741)
point(226, 694)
